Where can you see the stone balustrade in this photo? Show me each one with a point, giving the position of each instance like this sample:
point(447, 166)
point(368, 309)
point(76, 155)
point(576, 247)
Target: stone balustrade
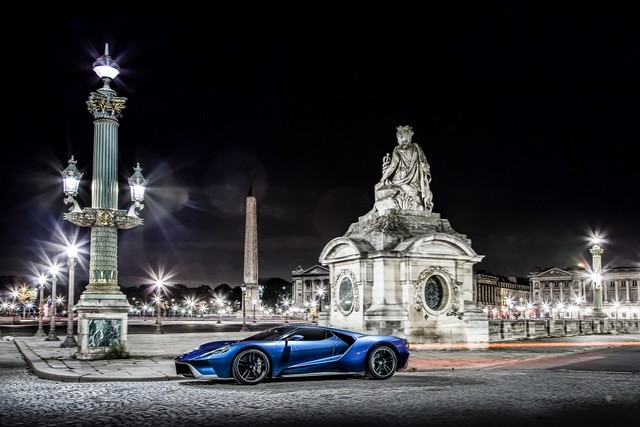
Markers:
point(509, 330)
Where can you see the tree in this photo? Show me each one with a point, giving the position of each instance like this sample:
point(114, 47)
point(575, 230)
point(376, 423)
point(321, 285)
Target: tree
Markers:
point(273, 290)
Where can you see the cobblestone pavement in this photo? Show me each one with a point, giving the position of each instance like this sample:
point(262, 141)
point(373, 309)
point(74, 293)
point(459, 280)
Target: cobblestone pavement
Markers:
point(461, 397)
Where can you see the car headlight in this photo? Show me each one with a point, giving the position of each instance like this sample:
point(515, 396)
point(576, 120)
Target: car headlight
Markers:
point(218, 350)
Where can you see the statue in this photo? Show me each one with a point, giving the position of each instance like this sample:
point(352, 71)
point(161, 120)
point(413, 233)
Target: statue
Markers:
point(405, 177)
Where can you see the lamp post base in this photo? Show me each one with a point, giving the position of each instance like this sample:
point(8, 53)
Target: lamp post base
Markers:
point(51, 337)
point(40, 333)
point(598, 314)
point(69, 342)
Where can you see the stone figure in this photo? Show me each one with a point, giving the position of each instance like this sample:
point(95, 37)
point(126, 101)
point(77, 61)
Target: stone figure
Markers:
point(405, 177)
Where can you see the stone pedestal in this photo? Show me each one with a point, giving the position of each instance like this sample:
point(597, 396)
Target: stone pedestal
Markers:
point(102, 326)
point(405, 273)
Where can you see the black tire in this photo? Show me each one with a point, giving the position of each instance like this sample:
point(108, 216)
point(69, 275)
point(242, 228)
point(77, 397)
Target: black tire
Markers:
point(382, 363)
point(251, 367)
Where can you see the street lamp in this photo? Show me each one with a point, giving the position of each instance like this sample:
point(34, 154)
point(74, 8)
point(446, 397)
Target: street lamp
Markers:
point(103, 303)
point(285, 307)
point(320, 293)
point(578, 301)
point(40, 333)
point(159, 286)
point(596, 278)
point(52, 327)
point(72, 253)
point(244, 310)
point(219, 302)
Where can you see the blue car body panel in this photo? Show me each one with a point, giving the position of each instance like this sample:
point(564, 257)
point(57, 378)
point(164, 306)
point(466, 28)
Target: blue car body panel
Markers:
point(292, 350)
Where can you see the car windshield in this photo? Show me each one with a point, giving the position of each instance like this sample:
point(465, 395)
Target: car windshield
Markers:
point(269, 334)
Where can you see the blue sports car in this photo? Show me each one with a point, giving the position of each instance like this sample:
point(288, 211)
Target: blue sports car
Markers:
point(296, 350)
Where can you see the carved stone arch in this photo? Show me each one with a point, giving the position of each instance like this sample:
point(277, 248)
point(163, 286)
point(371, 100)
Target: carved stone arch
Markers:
point(346, 292)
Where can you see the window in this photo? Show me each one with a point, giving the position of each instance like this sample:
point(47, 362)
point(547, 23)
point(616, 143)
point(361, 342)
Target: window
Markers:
point(623, 284)
point(612, 284)
point(433, 293)
point(345, 293)
point(312, 334)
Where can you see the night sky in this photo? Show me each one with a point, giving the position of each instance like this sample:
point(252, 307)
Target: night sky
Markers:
point(528, 113)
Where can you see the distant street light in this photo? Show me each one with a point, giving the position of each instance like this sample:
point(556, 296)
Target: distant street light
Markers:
point(285, 307)
point(72, 253)
point(159, 286)
point(578, 301)
point(616, 306)
point(52, 326)
point(320, 293)
point(40, 333)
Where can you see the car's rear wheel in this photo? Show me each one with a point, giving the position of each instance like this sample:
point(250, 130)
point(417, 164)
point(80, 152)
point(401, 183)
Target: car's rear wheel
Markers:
point(251, 367)
point(381, 363)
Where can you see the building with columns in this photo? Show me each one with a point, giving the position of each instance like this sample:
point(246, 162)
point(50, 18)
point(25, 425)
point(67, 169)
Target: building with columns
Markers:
point(311, 287)
point(568, 292)
point(560, 293)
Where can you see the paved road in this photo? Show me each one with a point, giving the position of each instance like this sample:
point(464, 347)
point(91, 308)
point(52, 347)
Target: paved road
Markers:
point(519, 395)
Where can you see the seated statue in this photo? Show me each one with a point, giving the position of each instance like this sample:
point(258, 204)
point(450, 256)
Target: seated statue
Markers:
point(405, 177)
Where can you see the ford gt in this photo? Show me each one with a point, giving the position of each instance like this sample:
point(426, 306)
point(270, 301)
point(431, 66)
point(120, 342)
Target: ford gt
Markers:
point(295, 350)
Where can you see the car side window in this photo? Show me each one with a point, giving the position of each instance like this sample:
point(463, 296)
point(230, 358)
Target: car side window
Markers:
point(313, 334)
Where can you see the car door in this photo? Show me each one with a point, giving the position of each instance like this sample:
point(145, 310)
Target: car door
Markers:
point(315, 346)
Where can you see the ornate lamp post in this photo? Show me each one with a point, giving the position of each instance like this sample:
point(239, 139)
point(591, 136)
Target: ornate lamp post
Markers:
point(52, 326)
point(596, 279)
point(40, 332)
point(72, 253)
point(103, 308)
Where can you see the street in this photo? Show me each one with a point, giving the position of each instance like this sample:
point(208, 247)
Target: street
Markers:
point(553, 393)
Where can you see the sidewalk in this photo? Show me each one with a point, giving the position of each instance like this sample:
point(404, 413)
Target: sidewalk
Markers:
point(152, 355)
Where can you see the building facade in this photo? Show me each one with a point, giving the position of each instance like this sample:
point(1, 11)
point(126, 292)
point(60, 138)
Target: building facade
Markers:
point(501, 297)
point(568, 293)
point(558, 293)
point(311, 288)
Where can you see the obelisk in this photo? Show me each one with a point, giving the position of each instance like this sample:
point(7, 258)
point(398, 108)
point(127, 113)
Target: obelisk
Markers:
point(251, 253)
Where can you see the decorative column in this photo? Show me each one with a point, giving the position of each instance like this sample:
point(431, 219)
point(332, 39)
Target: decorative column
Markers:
point(596, 279)
point(103, 307)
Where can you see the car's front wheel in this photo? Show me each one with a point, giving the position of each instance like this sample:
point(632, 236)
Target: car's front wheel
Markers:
point(251, 366)
point(381, 363)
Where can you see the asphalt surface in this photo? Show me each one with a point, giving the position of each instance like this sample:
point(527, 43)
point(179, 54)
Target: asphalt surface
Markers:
point(151, 355)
